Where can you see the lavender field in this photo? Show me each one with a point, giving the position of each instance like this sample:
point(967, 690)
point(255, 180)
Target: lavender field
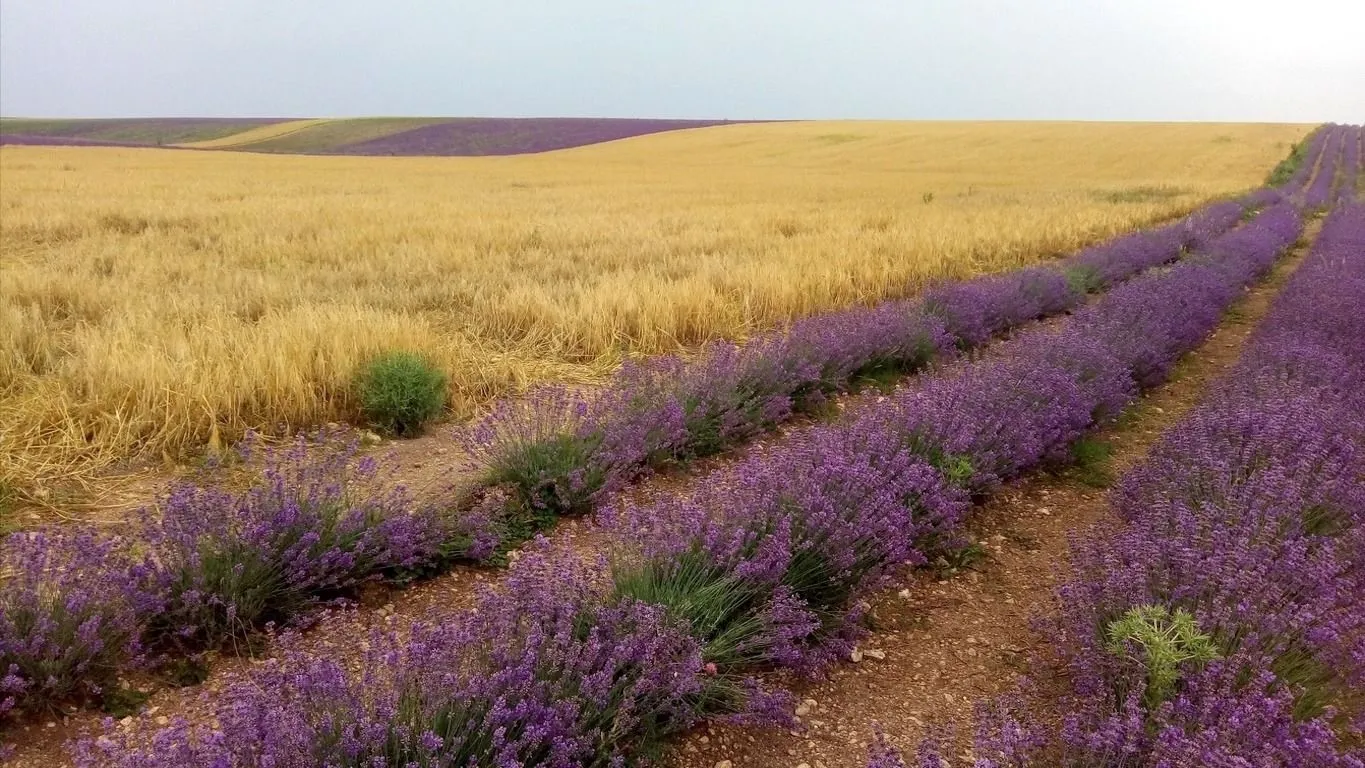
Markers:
point(166, 131)
point(409, 137)
point(664, 569)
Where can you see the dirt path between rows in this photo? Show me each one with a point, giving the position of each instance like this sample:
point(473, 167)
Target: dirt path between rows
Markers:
point(940, 646)
point(944, 637)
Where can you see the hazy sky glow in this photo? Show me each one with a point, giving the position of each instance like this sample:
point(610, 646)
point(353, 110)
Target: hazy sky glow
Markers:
point(1235, 60)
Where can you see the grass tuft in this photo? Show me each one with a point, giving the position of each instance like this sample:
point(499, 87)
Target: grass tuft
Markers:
point(400, 392)
point(1091, 462)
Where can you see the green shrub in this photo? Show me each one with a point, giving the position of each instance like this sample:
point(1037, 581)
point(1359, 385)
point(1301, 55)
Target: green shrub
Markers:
point(400, 392)
point(1083, 279)
point(1287, 167)
point(1091, 462)
point(1161, 641)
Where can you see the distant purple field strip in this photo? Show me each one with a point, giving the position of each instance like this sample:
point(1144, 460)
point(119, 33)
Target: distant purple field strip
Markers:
point(514, 136)
point(156, 131)
point(31, 140)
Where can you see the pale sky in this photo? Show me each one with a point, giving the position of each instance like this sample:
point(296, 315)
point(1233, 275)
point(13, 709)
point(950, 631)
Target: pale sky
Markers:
point(1234, 60)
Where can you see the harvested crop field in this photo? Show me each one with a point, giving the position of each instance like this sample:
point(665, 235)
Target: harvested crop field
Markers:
point(1103, 509)
point(154, 301)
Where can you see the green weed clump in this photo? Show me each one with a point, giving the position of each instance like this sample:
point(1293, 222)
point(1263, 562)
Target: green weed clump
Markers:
point(1091, 462)
point(1286, 167)
point(1160, 640)
point(400, 392)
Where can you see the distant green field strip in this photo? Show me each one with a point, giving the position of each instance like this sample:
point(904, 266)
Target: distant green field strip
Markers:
point(256, 135)
point(36, 127)
point(334, 134)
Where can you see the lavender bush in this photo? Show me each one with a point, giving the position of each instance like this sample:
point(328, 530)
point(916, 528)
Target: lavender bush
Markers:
point(548, 448)
point(542, 673)
point(828, 352)
point(768, 560)
point(975, 310)
point(223, 563)
point(988, 422)
point(68, 616)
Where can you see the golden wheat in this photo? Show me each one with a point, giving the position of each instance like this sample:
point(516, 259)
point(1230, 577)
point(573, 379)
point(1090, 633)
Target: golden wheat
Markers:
point(149, 295)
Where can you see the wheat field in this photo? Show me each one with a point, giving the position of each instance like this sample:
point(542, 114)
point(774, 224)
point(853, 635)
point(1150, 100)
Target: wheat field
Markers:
point(153, 299)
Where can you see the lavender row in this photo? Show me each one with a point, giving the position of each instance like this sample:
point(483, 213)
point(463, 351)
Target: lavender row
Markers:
point(1350, 165)
point(1221, 623)
point(1318, 193)
point(558, 452)
point(763, 567)
point(1339, 171)
point(209, 566)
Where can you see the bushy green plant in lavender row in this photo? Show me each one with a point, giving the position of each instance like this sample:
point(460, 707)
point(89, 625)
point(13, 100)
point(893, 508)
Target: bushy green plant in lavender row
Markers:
point(1285, 169)
point(400, 392)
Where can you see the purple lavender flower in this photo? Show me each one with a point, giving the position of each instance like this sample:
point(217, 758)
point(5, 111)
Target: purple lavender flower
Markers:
point(977, 309)
point(223, 563)
point(543, 672)
point(882, 754)
point(784, 545)
point(68, 622)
